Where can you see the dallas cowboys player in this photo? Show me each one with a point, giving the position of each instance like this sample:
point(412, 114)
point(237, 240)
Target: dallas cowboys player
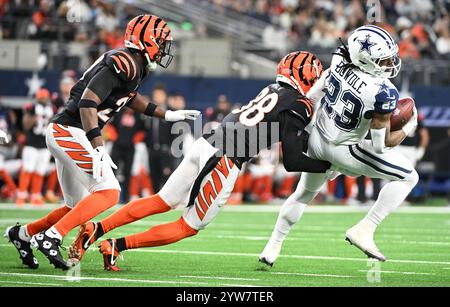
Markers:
point(358, 98)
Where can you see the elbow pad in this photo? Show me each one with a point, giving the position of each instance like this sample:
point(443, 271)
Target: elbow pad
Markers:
point(378, 139)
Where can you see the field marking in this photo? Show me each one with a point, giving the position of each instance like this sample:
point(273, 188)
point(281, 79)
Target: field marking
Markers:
point(398, 272)
point(65, 278)
point(312, 275)
point(30, 283)
point(293, 238)
point(190, 252)
point(264, 208)
point(219, 277)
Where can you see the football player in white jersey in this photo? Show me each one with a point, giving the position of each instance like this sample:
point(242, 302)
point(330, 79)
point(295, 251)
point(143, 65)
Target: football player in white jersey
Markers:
point(358, 98)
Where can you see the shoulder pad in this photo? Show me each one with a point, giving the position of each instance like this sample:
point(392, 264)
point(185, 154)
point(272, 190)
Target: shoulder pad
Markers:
point(123, 64)
point(386, 98)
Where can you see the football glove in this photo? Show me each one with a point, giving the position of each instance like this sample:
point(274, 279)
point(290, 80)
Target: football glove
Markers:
point(4, 138)
point(174, 116)
point(411, 125)
point(101, 162)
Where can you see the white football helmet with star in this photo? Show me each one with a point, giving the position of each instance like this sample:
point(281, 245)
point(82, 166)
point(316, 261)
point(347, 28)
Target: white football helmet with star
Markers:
point(374, 51)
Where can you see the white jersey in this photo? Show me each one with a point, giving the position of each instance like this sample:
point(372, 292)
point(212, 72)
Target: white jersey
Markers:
point(351, 97)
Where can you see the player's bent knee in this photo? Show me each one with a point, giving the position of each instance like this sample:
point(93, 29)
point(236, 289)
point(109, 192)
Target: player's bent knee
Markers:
point(412, 178)
point(304, 196)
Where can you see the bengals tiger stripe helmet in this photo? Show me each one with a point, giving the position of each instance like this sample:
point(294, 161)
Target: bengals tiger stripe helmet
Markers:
point(150, 35)
point(299, 69)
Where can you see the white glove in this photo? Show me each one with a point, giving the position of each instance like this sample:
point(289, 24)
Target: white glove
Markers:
point(411, 125)
point(174, 116)
point(4, 138)
point(420, 153)
point(101, 162)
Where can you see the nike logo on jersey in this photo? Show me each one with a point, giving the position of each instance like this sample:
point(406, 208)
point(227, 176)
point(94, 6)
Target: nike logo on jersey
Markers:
point(117, 70)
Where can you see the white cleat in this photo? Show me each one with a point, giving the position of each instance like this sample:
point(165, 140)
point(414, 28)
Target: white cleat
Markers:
point(363, 239)
point(270, 253)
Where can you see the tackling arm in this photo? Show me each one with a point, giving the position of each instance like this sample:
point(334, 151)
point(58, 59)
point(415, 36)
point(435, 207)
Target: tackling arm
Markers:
point(142, 105)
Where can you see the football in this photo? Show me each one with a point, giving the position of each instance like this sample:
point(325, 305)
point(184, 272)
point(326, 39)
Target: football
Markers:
point(402, 114)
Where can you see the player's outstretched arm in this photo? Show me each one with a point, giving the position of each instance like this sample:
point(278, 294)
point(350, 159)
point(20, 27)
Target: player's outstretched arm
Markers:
point(142, 105)
point(381, 133)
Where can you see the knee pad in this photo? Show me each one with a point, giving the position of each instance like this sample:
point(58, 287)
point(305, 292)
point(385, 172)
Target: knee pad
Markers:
point(412, 179)
point(304, 196)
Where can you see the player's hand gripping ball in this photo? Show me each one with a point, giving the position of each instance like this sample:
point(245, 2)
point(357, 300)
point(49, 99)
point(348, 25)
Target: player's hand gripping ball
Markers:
point(402, 114)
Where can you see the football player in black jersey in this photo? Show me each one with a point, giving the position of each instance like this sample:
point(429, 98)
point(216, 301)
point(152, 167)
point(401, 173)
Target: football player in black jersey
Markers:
point(206, 176)
point(35, 155)
point(74, 135)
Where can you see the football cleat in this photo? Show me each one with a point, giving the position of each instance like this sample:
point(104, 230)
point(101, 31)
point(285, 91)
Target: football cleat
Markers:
point(23, 247)
point(270, 253)
point(50, 248)
point(108, 249)
point(363, 239)
point(86, 237)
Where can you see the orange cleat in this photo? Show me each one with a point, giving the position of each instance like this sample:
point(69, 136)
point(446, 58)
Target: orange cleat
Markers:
point(86, 237)
point(37, 200)
point(108, 249)
point(20, 201)
point(51, 197)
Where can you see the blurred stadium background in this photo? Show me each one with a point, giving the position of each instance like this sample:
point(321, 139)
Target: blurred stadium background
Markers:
point(226, 51)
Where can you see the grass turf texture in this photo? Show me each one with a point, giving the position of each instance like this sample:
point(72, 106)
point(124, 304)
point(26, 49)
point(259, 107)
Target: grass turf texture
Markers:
point(225, 254)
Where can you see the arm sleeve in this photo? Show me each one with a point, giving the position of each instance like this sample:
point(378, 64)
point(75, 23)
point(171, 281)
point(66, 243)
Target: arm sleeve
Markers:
point(292, 144)
point(103, 83)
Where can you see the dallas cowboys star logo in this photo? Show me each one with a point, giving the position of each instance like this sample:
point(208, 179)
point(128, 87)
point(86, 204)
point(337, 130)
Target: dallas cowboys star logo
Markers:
point(383, 88)
point(366, 44)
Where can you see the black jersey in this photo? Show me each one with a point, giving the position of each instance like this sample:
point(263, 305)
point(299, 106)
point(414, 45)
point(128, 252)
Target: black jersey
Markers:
point(114, 77)
point(35, 136)
point(278, 113)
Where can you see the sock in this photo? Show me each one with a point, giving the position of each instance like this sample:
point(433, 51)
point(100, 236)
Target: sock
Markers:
point(161, 235)
point(390, 197)
point(53, 233)
point(23, 234)
point(36, 183)
point(52, 181)
point(8, 180)
point(146, 182)
point(135, 210)
point(24, 182)
point(88, 208)
point(47, 221)
point(133, 189)
point(291, 211)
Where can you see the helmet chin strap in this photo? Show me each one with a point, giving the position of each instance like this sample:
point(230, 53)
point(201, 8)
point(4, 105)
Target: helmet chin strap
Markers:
point(151, 66)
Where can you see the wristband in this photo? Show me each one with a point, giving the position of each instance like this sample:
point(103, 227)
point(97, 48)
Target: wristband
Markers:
point(150, 109)
point(87, 103)
point(93, 133)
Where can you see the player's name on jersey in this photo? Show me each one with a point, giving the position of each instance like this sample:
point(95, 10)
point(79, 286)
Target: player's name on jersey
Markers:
point(350, 77)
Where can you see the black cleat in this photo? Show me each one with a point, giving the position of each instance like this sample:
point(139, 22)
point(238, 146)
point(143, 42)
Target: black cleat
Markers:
point(23, 247)
point(50, 248)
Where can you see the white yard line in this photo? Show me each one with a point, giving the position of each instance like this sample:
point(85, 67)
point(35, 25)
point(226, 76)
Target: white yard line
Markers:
point(30, 283)
point(312, 275)
point(398, 272)
point(128, 280)
point(218, 277)
point(208, 253)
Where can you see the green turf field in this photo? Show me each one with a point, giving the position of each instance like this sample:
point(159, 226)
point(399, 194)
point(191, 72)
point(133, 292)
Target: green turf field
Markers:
point(225, 254)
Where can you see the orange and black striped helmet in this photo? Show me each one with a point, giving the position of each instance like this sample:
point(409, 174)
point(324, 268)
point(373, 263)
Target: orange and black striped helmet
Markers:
point(299, 69)
point(150, 34)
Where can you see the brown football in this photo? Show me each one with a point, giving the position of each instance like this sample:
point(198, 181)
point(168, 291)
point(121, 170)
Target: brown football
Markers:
point(402, 114)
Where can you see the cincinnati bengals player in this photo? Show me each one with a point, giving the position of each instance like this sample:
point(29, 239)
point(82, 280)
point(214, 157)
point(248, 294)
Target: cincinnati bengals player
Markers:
point(206, 176)
point(74, 136)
